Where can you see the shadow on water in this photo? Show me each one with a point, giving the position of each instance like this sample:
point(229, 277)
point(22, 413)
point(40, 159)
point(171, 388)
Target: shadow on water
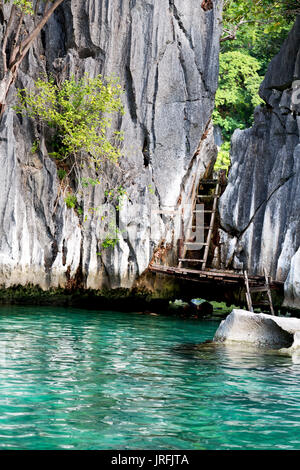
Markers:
point(236, 353)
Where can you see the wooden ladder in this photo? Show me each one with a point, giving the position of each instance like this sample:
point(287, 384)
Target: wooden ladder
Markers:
point(254, 289)
point(209, 227)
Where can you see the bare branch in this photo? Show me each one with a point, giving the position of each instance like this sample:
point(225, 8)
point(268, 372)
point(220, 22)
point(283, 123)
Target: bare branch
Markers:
point(231, 34)
point(31, 37)
point(36, 7)
point(27, 42)
point(19, 48)
point(16, 39)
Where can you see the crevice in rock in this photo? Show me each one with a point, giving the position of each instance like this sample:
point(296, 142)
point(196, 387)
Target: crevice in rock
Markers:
point(64, 253)
point(131, 101)
point(132, 256)
point(238, 233)
point(176, 15)
point(146, 152)
point(179, 22)
point(153, 106)
point(78, 280)
point(282, 87)
point(86, 52)
point(187, 128)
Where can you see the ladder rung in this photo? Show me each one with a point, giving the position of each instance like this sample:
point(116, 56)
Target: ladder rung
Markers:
point(201, 226)
point(207, 212)
point(208, 182)
point(262, 302)
point(195, 243)
point(258, 289)
point(192, 260)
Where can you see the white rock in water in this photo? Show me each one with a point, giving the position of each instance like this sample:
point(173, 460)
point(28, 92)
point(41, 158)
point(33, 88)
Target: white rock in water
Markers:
point(259, 329)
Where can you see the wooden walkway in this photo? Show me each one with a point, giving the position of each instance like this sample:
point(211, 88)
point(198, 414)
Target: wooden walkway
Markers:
point(214, 276)
point(210, 190)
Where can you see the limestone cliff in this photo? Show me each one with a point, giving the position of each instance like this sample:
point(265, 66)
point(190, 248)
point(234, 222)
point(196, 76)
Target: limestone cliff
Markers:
point(166, 55)
point(261, 205)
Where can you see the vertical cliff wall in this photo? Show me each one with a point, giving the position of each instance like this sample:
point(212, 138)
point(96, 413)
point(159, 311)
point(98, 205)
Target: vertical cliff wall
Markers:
point(166, 55)
point(261, 205)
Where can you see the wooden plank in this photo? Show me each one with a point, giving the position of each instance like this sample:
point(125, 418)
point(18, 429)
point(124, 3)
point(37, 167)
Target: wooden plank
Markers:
point(206, 227)
point(193, 271)
point(248, 295)
point(263, 303)
point(191, 260)
point(195, 244)
point(212, 222)
point(269, 292)
point(193, 199)
point(214, 181)
point(258, 289)
point(204, 279)
point(205, 212)
point(226, 276)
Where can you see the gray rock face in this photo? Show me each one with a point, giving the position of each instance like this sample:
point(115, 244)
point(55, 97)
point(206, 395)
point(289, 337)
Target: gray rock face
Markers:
point(259, 330)
point(166, 55)
point(260, 207)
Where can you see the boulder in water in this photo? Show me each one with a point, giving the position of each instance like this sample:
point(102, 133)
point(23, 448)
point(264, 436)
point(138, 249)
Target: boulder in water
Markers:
point(259, 329)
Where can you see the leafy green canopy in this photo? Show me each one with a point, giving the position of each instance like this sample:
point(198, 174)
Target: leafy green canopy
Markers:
point(253, 32)
point(237, 94)
point(251, 18)
point(25, 5)
point(80, 112)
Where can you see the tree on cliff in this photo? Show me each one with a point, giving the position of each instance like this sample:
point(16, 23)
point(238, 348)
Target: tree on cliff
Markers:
point(253, 32)
point(75, 121)
point(248, 18)
point(18, 36)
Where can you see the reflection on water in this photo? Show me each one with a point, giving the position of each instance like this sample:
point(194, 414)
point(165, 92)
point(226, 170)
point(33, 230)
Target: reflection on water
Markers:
point(72, 379)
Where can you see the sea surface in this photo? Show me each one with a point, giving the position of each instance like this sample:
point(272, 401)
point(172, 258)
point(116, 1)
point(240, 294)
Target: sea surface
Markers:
point(76, 379)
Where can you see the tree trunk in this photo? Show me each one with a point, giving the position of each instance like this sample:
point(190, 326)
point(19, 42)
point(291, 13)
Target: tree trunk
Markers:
point(5, 84)
point(19, 51)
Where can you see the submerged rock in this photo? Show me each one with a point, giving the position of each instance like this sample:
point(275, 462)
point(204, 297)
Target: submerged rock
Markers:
point(259, 329)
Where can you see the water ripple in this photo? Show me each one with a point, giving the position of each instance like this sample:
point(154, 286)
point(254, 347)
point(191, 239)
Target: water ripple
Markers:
point(72, 379)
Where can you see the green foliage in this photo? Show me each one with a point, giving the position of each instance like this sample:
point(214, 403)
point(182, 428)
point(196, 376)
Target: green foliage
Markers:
point(150, 188)
point(35, 146)
point(109, 242)
point(116, 196)
point(223, 160)
point(90, 182)
point(80, 111)
point(61, 173)
point(79, 114)
point(251, 19)
point(112, 239)
point(253, 33)
point(71, 201)
point(237, 94)
point(25, 5)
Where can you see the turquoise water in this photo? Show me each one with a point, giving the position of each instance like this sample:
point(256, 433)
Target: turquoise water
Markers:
point(75, 379)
